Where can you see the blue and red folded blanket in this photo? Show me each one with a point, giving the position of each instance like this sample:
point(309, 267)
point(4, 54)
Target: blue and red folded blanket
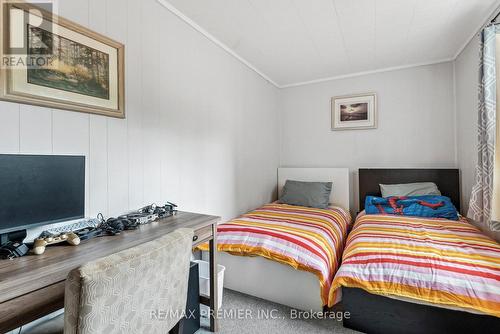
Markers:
point(417, 206)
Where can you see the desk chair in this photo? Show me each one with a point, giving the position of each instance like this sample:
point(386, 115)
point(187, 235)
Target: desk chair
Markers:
point(139, 290)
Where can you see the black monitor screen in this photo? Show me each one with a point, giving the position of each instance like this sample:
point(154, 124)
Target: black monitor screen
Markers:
point(40, 189)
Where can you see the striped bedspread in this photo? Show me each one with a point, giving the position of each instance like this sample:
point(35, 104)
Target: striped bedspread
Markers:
point(436, 261)
point(305, 238)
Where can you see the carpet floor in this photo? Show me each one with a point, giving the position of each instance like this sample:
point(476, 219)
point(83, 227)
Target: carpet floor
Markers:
point(240, 314)
point(243, 314)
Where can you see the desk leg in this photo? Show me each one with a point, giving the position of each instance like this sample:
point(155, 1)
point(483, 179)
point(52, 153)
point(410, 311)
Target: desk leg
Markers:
point(213, 282)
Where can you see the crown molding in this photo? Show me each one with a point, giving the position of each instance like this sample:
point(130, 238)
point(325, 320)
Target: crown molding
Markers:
point(357, 74)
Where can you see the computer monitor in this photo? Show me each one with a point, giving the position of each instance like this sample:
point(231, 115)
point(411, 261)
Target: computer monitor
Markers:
point(40, 189)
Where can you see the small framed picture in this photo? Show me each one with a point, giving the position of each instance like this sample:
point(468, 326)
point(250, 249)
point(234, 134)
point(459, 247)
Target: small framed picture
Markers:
point(354, 112)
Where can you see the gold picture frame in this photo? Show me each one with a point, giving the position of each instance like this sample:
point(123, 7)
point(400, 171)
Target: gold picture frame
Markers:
point(84, 70)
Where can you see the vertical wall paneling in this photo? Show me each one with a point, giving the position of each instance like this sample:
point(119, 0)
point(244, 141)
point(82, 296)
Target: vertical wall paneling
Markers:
point(466, 81)
point(98, 132)
point(167, 135)
point(9, 127)
point(192, 127)
point(76, 11)
point(173, 113)
point(151, 95)
point(35, 130)
point(97, 15)
point(133, 89)
point(118, 168)
point(98, 183)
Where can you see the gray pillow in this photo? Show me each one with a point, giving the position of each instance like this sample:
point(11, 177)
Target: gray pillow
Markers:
point(409, 189)
point(310, 194)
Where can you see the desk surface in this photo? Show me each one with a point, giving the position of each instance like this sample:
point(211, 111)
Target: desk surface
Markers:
point(31, 273)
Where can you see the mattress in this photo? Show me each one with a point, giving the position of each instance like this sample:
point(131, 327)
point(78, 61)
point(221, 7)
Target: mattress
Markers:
point(305, 238)
point(429, 261)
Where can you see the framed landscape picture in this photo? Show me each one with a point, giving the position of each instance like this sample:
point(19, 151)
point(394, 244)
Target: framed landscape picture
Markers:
point(354, 112)
point(52, 62)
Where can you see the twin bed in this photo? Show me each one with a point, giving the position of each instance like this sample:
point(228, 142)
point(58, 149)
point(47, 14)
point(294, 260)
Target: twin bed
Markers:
point(398, 273)
point(418, 275)
point(279, 239)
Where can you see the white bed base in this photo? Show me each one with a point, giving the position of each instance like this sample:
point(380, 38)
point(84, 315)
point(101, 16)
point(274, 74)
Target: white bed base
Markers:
point(276, 282)
point(273, 281)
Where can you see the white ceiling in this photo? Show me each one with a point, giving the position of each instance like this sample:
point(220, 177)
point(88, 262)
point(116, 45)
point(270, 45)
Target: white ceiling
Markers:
point(296, 41)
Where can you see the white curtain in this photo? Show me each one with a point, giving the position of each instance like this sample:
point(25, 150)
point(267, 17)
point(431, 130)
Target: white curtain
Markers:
point(484, 205)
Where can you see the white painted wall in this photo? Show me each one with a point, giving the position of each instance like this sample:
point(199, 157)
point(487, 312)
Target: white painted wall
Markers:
point(466, 83)
point(201, 129)
point(416, 123)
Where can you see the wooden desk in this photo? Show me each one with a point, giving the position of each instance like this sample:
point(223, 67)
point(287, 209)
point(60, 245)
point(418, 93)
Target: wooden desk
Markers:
point(33, 286)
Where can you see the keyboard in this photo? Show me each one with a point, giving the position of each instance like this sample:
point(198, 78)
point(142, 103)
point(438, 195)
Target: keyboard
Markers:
point(75, 226)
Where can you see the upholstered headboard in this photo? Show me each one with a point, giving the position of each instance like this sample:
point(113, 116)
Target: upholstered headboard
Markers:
point(447, 180)
point(340, 195)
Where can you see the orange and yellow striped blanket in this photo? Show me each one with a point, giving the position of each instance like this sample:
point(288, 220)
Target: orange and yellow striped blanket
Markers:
point(436, 261)
point(307, 239)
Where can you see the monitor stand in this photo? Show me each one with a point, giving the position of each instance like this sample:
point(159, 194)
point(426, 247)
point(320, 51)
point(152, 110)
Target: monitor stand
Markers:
point(12, 236)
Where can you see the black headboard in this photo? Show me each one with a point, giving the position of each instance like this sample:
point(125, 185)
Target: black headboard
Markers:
point(447, 180)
